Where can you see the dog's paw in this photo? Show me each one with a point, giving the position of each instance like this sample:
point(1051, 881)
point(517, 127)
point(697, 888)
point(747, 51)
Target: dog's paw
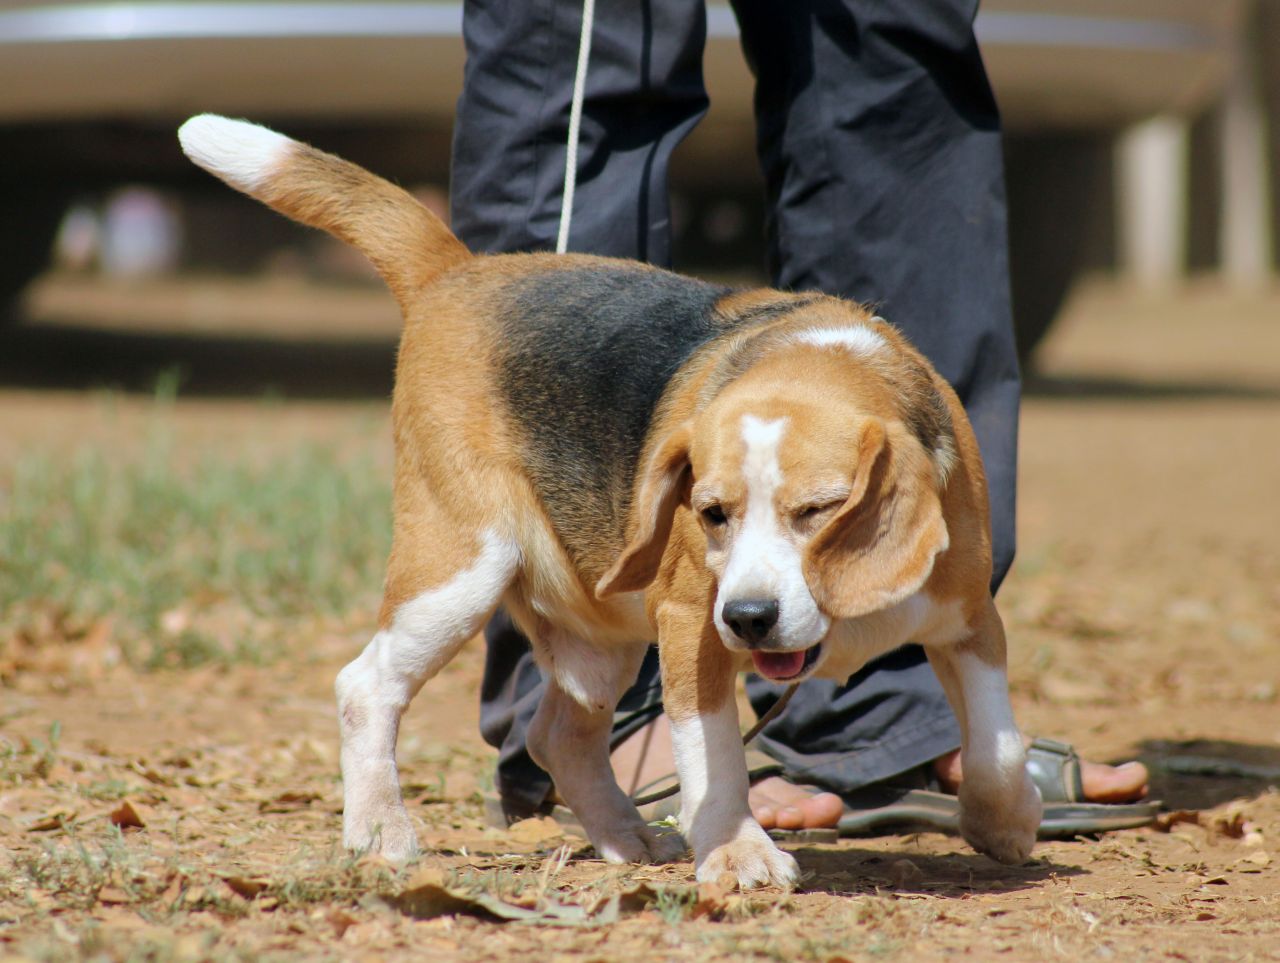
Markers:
point(667, 846)
point(1007, 846)
point(1004, 829)
point(636, 842)
point(390, 835)
point(753, 860)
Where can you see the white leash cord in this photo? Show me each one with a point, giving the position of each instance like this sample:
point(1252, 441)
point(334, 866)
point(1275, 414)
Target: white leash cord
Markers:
point(575, 123)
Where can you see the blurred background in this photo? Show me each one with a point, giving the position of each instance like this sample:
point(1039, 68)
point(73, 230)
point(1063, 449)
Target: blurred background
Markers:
point(1138, 147)
point(195, 469)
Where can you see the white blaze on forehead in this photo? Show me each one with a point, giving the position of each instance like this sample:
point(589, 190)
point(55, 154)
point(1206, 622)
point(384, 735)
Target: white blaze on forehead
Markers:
point(858, 339)
point(751, 572)
point(760, 463)
point(241, 153)
point(763, 563)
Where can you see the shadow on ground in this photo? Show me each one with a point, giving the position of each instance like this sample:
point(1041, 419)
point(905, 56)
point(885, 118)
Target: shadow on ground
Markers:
point(74, 358)
point(1115, 388)
point(1204, 773)
point(849, 871)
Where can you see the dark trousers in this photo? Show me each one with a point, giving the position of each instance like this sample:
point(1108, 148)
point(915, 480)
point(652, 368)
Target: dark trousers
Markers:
point(880, 145)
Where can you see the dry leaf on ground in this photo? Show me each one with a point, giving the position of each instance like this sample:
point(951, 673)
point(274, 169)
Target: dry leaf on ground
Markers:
point(246, 886)
point(540, 829)
point(129, 815)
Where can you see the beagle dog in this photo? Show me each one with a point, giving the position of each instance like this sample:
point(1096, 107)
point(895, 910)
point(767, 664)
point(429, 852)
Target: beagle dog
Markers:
point(766, 481)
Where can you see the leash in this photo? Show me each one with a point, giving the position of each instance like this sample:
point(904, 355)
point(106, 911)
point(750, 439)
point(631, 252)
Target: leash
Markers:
point(575, 126)
point(754, 731)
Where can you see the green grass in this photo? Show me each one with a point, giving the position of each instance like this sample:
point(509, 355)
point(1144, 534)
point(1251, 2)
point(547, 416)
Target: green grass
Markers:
point(192, 558)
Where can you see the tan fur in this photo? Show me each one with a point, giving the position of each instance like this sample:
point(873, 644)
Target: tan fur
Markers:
point(667, 485)
point(408, 244)
point(881, 544)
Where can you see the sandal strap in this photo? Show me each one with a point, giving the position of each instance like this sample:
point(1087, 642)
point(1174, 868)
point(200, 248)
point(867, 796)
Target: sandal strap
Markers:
point(1055, 769)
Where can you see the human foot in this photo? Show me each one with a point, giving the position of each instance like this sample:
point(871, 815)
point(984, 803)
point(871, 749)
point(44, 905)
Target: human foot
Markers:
point(779, 804)
point(1102, 783)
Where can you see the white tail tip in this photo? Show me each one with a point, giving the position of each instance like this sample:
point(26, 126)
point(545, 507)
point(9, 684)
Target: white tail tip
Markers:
point(242, 154)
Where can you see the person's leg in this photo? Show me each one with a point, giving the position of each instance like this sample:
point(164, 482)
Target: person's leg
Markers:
point(644, 93)
point(879, 140)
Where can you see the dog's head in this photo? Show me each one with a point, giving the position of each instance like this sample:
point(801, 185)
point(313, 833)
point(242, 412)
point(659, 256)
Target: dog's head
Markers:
point(814, 477)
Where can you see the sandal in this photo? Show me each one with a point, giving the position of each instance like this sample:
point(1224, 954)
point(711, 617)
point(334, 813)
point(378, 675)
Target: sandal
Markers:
point(1055, 769)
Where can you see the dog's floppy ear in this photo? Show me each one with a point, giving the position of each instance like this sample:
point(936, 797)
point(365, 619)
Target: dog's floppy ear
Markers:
point(664, 485)
point(880, 546)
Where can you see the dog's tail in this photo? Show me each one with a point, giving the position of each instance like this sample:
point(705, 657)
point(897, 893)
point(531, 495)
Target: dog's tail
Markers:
point(408, 244)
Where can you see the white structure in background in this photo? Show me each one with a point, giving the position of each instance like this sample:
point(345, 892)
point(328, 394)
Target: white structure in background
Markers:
point(141, 234)
point(1246, 241)
point(1152, 160)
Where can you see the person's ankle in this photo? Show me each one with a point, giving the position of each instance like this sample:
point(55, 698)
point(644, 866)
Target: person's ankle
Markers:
point(946, 769)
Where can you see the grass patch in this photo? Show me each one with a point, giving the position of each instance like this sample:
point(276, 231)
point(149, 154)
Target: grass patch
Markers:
point(29, 760)
point(185, 558)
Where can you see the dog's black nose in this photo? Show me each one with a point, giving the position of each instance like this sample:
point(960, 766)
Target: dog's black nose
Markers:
point(751, 619)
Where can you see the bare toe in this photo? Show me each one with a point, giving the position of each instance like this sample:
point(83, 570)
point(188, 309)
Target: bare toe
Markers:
point(789, 817)
point(778, 804)
point(765, 815)
point(1113, 784)
point(822, 811)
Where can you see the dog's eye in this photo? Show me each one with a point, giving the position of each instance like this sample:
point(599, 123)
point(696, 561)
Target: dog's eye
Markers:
point(812, 513)
point(713, 515)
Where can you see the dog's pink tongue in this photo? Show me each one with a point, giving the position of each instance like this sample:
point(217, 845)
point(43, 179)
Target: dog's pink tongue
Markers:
point(778, 665)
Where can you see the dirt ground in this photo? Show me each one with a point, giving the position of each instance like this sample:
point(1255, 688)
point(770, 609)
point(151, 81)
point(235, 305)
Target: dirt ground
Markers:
point(194, 815)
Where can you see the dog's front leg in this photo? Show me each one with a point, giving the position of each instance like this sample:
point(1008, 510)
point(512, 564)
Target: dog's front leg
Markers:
point(1000, 806)
point(698, 694)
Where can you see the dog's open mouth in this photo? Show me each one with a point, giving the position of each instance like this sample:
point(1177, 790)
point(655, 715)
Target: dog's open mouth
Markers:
point(785, 666)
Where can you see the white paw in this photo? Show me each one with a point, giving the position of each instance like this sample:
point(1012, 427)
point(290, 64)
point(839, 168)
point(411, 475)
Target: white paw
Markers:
point(753, 860)
point(1001, 826)
point(636, 842)
point(387, 832)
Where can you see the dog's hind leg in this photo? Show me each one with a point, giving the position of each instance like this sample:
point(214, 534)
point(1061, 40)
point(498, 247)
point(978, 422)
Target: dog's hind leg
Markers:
point(569, 737)
point(419, 635)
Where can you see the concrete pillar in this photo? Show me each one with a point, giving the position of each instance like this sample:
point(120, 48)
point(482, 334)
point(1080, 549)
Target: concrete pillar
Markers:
point(1151, 180)
point(1246, 227)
